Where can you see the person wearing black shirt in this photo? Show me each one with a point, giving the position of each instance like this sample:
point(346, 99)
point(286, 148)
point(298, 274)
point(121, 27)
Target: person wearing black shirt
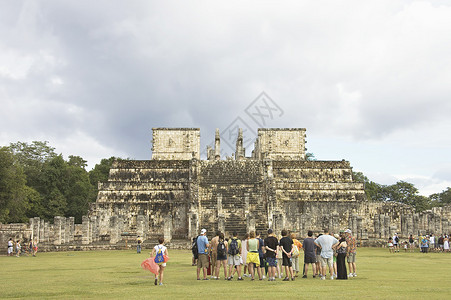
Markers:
point(271, 244)
point(286, 244)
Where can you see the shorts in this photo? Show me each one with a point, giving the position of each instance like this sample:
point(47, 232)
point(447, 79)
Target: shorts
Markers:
point(318, 258)
point(262, 261)
point(272, 262)
point(309, 259)
point(253, 258)
point(162, 264)
point(286, 261)
point(221, 258)
point(351, 258)
point(202, 261)
point(234, 260)
point(10, 250)
point(327, 261)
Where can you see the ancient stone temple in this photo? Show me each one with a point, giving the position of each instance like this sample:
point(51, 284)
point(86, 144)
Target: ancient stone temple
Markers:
point(176, 193)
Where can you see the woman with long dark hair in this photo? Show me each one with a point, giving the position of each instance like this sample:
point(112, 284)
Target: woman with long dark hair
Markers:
point(341, 258)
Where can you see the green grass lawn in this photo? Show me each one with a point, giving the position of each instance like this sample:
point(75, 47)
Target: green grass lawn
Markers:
point(118, 274)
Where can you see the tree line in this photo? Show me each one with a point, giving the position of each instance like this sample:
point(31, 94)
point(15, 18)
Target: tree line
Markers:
point(403, 192)
point(35, 181)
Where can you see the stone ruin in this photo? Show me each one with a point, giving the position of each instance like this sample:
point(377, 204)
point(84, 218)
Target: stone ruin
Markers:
point(177, 193)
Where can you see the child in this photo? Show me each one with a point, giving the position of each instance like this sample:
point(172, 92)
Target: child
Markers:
point(405, 246)
point(391, 247)
point(159, 251)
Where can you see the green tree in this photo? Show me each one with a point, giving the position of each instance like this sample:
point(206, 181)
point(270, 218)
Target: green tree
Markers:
point(440, 199)
point(15, 196)
point(100, 174)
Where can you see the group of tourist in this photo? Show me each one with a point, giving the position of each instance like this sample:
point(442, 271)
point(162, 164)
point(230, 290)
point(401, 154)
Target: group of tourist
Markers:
point(274, 257)
point(16, 249)
point(426, 243)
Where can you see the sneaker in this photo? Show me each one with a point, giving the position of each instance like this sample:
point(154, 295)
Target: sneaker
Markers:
point(161, 283)
point(292, 278)
point(230, 278)
point(205, 279)
point(286, 279)
point(264, 277)
point(240, 278)
point(332, 277)
point(350, 275)
point(314, 276)
point(156, 281)
point(323, 277)
point(354, 275)
point(305, 276)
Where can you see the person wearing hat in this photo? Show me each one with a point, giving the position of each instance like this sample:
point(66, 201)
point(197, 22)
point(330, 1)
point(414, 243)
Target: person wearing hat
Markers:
point(351, 251)
point(202, 261)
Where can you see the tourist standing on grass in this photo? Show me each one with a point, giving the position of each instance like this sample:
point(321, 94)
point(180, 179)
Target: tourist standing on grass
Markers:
point(424, 244)
point(214, 253)
point(221, 251)
point(440, 243)
point(202, 248)
point(18, 248)
point(261, 253)
point(286, 245)
point(318, 258)
point(411, 243)
point(159, 251)
point(297, 246)
point(446, 243)
point(396, 242)
point(309, 254)
point(234, 259)
point(139, 241)
point(391, 248)
point(244, 254)
point(327, 243)
point(253, 260)
point(432, 242)
point(35, 247)
point(271, 244)
point(10, 247)
point(341, 255)
point(351, 252)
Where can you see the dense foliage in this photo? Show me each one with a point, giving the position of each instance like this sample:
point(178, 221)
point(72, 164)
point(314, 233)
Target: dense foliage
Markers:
point(37, 182)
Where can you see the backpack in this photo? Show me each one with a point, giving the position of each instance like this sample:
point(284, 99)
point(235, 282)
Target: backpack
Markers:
point(159, 258)
point(194, 248)
point(295, 252)
point(221, 249)
point(233, 249)
point(397, 239)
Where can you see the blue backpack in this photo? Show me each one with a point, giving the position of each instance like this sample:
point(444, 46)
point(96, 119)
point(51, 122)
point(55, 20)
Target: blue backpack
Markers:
point(159, 257)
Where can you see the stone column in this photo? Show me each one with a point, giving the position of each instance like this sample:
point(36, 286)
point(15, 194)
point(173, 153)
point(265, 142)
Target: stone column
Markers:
point(250, 223)
point(141, 226)
point(85, 230)
point(41, 231)
point(193, 226)
point(94, 233)
point(221, 223)
point(167, 228)
point(217, 145)
point(36, 228)
point(359, 227)
point(114, 230)
point(387, 226)
point(57, 230)
point(46, 232)
point(377, 227)
point(70, 229)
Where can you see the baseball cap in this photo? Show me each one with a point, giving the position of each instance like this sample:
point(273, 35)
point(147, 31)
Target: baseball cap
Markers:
point(203, 231)
point(348, 230)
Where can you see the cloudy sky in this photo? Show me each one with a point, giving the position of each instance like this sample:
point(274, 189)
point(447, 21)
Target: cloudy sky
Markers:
point(369, 80)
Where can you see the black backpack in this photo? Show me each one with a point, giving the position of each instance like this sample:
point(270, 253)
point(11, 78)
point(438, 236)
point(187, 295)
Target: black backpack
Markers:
point(221, 249)
point(194, 248)
point(233, 249)
point(397, 239)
